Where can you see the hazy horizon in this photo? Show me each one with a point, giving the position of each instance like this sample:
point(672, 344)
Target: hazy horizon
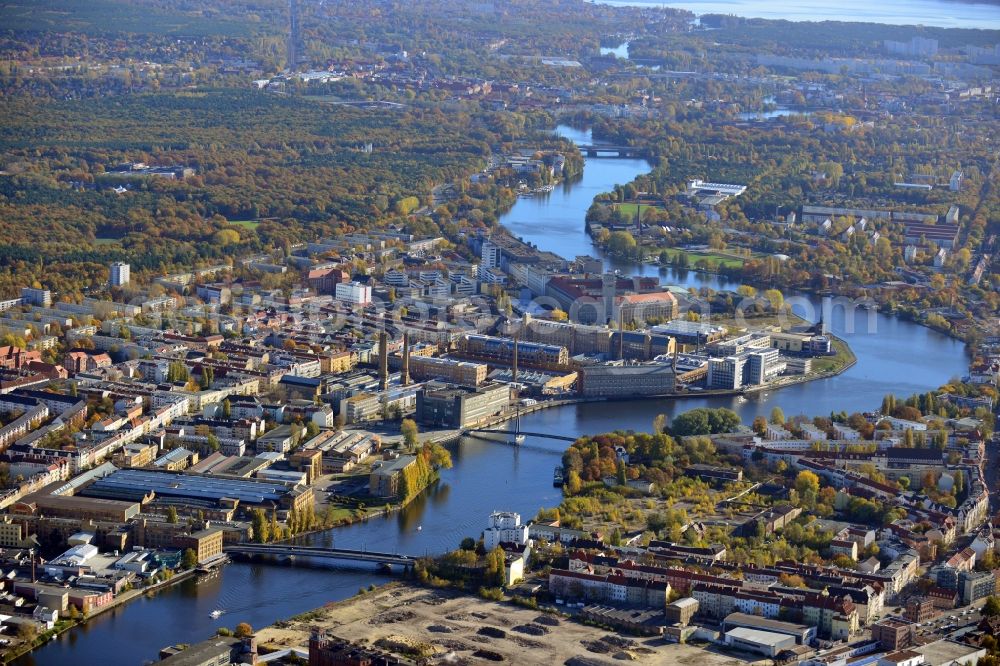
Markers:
point(937, 13)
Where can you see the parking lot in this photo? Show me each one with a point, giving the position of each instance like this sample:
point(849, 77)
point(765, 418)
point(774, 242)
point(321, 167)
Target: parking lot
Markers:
point(950, 624)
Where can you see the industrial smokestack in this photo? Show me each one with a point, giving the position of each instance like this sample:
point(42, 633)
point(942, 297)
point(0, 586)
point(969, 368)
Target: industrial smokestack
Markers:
point(609, 285)
point(513, 373)
point(383, 361)
point(294, 34)
point(621, 338)
point(405, 375)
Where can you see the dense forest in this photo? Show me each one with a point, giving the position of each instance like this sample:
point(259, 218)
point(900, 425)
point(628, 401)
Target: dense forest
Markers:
point(298, 165)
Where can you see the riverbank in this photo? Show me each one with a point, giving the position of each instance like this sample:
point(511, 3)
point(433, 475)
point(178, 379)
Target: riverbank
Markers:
point(62, 626)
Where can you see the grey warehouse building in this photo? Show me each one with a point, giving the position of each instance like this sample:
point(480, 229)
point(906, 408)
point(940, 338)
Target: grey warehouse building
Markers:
point(142, 485)
point(460, 407)
point(616, 381)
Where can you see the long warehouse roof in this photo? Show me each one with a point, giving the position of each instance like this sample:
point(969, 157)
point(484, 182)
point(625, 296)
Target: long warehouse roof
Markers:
point(139, 482)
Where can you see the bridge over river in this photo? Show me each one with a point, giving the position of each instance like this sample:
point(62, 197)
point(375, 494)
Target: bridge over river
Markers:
point(602, 150)
point(547, 435)
point(342, 554)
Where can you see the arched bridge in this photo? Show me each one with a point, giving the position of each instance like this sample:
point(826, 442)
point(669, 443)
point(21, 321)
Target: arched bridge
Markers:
point(290, 550)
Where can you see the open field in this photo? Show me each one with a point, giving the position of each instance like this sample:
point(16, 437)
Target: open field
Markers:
point(834, 363)
point(452, 627)
point(785, 320)
point(630, 208)
point(693, 257)
point(246, 224)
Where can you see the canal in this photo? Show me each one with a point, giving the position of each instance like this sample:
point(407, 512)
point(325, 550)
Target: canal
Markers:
point(893, 356)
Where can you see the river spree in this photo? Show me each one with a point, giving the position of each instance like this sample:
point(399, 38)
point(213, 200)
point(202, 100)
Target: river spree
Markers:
point(939, 13)
point(893, 356)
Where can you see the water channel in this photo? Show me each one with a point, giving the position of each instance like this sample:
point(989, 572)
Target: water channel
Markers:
point(894, 356)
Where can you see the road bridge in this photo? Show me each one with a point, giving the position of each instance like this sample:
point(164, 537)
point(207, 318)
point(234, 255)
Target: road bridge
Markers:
point(611, 151)
point(547, 435)
point(343, 554)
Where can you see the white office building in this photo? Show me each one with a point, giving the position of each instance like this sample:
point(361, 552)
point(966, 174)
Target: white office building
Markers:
point(354, 293)
point(726, 373)
point(39, 297)
point(120, 274)
point(491, 254)
point(504, 527)
point(762, 366)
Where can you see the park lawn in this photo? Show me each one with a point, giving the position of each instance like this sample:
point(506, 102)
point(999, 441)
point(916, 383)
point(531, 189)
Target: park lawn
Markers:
point(693, 257)
point(723, 259)
point(246, 224)
point(630, 208)
point(785, 320)
point(834, 363)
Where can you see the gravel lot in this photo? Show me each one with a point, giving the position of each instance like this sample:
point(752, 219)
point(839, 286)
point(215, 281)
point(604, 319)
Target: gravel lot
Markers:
point(451, 628)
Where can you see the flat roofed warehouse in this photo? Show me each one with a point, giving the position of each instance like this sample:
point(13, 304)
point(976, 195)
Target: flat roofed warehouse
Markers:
point(803, 634)
point(754, 640)
point(137, 483)
point(74, 506)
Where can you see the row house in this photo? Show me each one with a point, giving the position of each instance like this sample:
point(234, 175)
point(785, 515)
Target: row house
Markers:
point(245, 407)
point(869, 600)
point(834, 618)
point(714, 601)
point(608, 588)
point(679, 579)
point(245, 429)
point(72, 410)
point(758, 603)
point(22, 425)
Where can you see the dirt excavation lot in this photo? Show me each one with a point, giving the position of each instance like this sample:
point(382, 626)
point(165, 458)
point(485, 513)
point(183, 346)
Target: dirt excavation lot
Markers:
point(440, 626)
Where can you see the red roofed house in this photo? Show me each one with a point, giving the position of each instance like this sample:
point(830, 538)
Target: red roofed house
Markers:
point(81, 361)
point(325, 280)
point(639, 308)
point(15, 358)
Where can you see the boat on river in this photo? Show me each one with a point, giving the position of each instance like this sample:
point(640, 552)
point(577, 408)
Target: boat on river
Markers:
point(557, 477)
